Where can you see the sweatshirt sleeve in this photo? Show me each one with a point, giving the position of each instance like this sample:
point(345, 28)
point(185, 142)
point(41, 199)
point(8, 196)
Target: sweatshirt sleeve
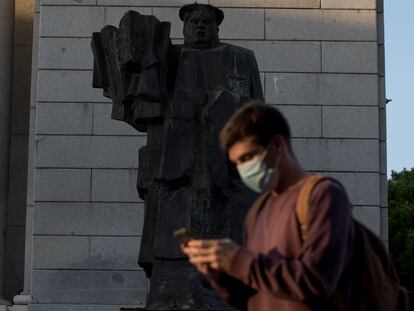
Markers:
point(315, 274)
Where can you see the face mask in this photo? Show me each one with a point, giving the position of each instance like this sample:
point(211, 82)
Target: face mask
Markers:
point(256, 174)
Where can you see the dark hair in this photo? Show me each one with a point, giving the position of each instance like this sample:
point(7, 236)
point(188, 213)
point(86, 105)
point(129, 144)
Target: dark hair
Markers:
point(255, 120)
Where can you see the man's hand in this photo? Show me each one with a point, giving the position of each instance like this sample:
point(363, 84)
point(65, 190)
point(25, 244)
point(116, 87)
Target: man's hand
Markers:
point(210, 255)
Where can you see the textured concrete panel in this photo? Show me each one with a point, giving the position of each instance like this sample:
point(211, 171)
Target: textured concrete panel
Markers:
point(337, 155)
point(114, 253)
point(68, 86)
point(65, 53)
point(350, 122)
point(99, 287)
point(104, 219)
point(352, 57)
point(113, 15)
point(267, 3)
point(60, 252)
point(88, 151)
point(62, 185)
point(69, 2)
point(169, 3)
point(170, 15)
point(348, 4)
point(104, 125)
point(285, 56)
point(305, 121)
point(338, 25)
point(362, 188)
point(58, 118)
point(114, 186)
point(77, 307)
point(370, 216)
point(236, 20)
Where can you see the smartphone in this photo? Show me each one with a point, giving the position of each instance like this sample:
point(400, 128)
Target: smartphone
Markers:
point(182, 235)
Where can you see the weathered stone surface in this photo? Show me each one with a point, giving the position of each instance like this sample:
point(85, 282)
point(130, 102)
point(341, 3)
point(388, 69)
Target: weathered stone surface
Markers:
point(93, 287)
point(114, 186)
point(362, 188)
point(370, 216)
point(348, 4)
point(62, 185)
point(89, 219)
point(332, 155)
point(352, 57)
point(67, 118)
point(350, 122)
point(305, 121)
point(88, 151)
point(305, 4)
point(338, 25)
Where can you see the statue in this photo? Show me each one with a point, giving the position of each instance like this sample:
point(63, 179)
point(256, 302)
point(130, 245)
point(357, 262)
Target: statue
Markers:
point(181, 96)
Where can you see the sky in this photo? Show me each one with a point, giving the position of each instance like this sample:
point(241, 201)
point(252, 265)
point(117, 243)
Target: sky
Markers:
point(399, 71)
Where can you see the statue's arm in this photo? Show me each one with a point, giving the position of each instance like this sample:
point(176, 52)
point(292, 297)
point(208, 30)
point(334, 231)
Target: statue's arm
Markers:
point(256, 89)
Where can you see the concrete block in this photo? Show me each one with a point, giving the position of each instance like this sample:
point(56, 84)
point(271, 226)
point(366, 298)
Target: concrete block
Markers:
point(384, 190)
point(348, 4)
point(155, 3)
point(338, 25)
point(381, 92)
point(68, 86)
point(384, 224)
point(88, 151)
point(352, 57)
point(69, 2)
point(103, 219)
point(235, 21)
point(303, 4)
point(114, 186)
point(370, 216)
point(94, 287)
point(322, 89)
point(60, 252)
point(68, 118)
point(383, 157)
point(62, 185)
point(305, 121)
point(16, 215)
point(65, 53)
point(70, 21)
point(114, 253)
point(104, 125)
point(380, 28)
point(381, 60)
point(350, 122)
point(332, 155)
point(362, 188)
point(284, 56)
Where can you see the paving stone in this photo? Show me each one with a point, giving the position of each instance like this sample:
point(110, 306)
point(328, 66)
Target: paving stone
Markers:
point(103, 219)
point(338, 25)
point(114, 253)
point(305, 4)
point(88, 151)
point(305, 121)
point(352, 57)
point(370, 216)
point(67, 118)
point(348, 4)
point(60, 252)
point(362, 188)
point(350, 122)
point(62, 185)
point(93, 287)
point(104, 125)
point(114, 186)
point(332, 155)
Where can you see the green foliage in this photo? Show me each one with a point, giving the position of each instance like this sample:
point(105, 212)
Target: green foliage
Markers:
point(401, 223)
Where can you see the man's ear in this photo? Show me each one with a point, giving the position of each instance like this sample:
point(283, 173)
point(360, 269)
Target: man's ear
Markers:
point(279, 142)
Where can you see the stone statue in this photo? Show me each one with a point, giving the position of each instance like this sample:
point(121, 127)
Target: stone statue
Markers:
point(181, 96)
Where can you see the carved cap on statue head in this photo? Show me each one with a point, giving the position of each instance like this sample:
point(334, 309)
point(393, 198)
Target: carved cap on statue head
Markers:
point(188, 8)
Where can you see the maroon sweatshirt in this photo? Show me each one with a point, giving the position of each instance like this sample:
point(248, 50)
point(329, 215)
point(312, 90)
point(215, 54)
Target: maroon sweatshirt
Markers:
point(275, 271)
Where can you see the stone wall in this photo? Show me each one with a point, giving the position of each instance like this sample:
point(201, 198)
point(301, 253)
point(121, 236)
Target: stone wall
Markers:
point(321, 63)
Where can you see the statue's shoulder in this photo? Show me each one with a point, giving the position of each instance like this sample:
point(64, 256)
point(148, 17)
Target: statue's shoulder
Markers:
point(237, 49)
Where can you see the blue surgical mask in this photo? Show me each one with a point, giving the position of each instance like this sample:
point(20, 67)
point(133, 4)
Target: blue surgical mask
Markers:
point(256, 174)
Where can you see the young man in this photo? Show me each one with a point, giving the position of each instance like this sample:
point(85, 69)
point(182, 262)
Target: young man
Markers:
point(275, 268)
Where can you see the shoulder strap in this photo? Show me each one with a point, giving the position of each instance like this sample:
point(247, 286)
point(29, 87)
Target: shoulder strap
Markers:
point(254, 210)
point(303, 202)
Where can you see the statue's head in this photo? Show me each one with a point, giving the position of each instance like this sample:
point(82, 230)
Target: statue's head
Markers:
point(201, 23)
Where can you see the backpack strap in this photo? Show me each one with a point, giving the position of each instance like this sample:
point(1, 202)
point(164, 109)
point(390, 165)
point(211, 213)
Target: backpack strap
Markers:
point(255, 209)
point(303, 202)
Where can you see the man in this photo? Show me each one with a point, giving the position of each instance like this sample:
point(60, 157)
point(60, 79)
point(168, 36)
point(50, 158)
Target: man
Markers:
point(181, 95)
point(275, 269)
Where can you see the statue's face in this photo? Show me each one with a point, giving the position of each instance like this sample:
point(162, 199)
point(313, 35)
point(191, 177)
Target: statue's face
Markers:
point(200, 29)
